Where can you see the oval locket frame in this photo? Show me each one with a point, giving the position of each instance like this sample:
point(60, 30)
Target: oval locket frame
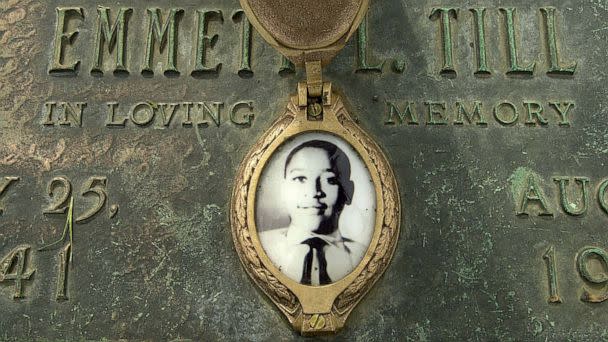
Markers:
point(312, 309)
point(325, 308)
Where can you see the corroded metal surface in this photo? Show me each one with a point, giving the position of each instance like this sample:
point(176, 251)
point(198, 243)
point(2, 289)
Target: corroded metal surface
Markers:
point(505, 208)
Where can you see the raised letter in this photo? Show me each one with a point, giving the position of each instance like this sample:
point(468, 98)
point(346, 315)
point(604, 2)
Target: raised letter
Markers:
point(147, 114)
point(554, 65)
point(570, 207)
point(480, 23)
point(506, 121)
point(436, 113)
point(535, 109)
point(408, 115)
point(602, 196)
point(204, 40)
point(48, 118)
point(114, 37)
point(462, 111)
point(212, 111)
point(563, 109)
point(167, 116)
point(532, 194)
point(111, 117)
point(187, 120)
point(6, 182)
point(514, 67)
point(446, 36)
point(362, 64)
point(62, 39)
point(245, 68)
point(165, 35)
point(72, 113)
point(247, 118)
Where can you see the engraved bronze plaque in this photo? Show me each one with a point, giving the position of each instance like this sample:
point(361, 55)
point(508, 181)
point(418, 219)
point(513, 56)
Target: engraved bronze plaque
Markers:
point(123, 127)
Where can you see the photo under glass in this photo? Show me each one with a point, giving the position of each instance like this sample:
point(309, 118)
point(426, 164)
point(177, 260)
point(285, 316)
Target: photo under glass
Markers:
point(315, 208)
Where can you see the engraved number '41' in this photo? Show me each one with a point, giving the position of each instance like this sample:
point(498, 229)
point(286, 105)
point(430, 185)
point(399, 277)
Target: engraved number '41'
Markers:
point(14, 267)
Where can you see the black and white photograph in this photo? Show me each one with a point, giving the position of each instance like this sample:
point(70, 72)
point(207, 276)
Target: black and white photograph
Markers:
point(315, 208)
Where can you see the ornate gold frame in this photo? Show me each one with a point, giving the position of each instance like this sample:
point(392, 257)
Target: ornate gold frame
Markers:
point(315, 309)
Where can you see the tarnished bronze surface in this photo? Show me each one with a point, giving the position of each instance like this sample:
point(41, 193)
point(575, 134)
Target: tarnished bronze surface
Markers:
point(306, 30)
point(492, 115)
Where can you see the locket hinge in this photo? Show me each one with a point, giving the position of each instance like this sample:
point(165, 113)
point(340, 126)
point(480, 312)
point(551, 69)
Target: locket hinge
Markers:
point(314, 93)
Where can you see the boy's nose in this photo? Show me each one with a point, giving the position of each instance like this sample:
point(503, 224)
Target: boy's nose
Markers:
point(318, 189)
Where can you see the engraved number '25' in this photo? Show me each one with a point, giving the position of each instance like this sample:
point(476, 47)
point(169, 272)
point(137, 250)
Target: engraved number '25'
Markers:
point(60, 189)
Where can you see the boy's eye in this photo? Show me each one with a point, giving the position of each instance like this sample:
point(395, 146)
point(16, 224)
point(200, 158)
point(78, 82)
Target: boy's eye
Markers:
point(332, 180)
point(300, 179)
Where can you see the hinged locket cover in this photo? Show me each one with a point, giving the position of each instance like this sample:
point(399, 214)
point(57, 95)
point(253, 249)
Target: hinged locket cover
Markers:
point(306, 30)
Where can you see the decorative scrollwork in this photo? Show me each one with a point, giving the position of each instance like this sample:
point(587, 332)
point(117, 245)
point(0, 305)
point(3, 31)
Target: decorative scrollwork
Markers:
point(261, 275)
point(389, 233)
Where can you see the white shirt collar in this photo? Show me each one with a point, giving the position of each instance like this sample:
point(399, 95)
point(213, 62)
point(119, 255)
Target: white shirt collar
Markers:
point(295, 236)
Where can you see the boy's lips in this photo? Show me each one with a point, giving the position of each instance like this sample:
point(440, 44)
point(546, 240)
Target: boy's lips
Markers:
point(320, 206)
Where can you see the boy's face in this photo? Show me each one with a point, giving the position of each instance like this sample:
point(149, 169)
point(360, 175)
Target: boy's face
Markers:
point(310, 186)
